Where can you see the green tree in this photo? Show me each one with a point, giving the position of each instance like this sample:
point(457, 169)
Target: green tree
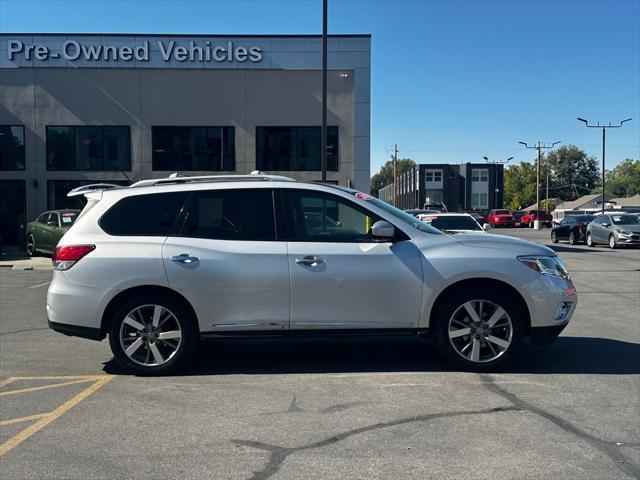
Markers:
point(572, 172)
point(623, 180)
point(384, 176)
point(519, 186)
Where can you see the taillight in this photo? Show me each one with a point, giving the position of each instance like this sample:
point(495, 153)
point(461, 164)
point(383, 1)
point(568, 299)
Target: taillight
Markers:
point(65, 257)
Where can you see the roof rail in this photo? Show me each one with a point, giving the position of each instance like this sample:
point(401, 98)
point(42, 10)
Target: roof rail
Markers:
point(174, 179)
point(94, 187)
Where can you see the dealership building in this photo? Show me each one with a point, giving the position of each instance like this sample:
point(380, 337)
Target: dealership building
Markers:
point(78, 109)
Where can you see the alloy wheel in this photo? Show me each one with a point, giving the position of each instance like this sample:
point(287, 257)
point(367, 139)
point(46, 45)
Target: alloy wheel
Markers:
point(572, 239)
point(150, 335)
point(480, 331)
point(554, 237)
point(612, 241)
point(31, 245)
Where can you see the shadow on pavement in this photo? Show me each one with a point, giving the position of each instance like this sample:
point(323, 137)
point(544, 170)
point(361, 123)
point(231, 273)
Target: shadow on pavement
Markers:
point(569, 355)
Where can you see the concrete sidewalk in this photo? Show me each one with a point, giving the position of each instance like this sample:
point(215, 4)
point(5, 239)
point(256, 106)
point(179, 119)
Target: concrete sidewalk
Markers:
point(16, 260)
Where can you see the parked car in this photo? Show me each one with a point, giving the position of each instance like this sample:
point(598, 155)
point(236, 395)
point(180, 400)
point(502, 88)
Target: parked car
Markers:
point(416, 212)
point(572, 228)
point(500, 218)
point(440, 206)
point(478, 217)
point(454, 223)
point(44, 232)
point(517, 218)
point(546, 220)
point(614, 229)
point(161, 263)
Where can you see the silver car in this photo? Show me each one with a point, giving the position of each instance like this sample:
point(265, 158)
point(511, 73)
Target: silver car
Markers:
point(159, 264)
point(614, 229)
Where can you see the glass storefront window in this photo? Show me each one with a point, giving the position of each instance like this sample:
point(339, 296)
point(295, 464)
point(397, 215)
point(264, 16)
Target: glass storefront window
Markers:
point(193, 148)
point(88, 148)
point(11, 147)
point(295, 148)
point(12, 210)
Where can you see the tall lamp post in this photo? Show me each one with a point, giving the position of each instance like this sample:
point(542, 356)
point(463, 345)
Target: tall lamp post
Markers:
point(539, 147)
point(604, 129)
point(495, 185)
point(323, 134)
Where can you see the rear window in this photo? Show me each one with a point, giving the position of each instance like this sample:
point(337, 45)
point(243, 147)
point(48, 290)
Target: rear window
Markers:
point(144, 215)
point(68, 218)
point(502, 212)
point(454, 223)
point(231, 215)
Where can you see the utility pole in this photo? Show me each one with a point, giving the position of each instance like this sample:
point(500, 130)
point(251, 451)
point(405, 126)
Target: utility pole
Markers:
point(395, 177)
point(323, 146)
point(495, 184)
point(604, 129)
point(539, 147)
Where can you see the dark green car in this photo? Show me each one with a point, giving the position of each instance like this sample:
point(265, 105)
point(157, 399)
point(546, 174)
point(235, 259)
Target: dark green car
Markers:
point(45, 231)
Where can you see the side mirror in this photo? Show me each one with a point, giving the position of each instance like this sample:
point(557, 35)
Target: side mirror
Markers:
point(605, 224)
point(382, 229)
point(486, 226)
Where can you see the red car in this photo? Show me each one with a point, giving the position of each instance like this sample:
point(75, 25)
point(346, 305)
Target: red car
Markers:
point(500, 218)
point(528, 218)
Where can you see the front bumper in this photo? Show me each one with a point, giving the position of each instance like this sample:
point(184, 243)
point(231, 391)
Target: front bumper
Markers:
point(633, 239)
point(552, 302)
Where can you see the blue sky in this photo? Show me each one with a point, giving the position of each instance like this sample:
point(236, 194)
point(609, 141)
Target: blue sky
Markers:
point(452, 81)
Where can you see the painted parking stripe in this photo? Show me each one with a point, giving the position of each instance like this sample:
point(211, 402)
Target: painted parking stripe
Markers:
point(40, 285)
point(45, 419)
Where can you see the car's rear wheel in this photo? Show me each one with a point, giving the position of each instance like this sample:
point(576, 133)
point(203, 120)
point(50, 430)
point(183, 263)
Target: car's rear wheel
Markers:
point(152, 335)
point(31, 245)
point(590, 242)
point(572, 238)
point(612, 242)
point(480, 329)
point(554, 237)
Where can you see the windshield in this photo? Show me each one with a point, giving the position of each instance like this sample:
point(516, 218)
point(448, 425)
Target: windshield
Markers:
point(625, 219)
point(455, 223)
point(404, 216)
point(68, 218)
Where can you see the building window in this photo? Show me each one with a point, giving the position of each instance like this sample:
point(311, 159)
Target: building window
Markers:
point(88, 148)
point(11, 147)
point(294, 148)
point(479, 201)
point(479, 175)
point(433, 175)
point(194, 148)
point(434, 196)
point(57, 193)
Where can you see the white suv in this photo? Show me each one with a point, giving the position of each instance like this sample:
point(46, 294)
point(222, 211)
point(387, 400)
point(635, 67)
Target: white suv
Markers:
point(158, 264)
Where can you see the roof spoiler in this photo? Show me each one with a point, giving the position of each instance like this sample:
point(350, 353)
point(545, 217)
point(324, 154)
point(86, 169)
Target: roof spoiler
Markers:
point(94, 187)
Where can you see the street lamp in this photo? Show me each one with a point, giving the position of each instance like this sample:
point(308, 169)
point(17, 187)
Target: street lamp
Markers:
point(538, 146)
point(496, 189)
point(604, 127)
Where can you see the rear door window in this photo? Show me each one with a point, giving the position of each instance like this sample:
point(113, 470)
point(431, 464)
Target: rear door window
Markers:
point(227, 214)
point(154, 214)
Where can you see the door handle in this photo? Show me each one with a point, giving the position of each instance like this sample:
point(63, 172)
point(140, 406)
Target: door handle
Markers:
point(184, 258)
point(309, 261)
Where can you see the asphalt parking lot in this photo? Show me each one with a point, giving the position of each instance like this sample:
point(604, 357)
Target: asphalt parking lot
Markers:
point(374, 408)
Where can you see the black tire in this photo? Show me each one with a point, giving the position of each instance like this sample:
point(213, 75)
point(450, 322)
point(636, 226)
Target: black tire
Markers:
point(572, 238)
point(590, 242)
point(31, 246)
point(449, 305)
point(612, 242)
point(184, 317)
point(554, 237)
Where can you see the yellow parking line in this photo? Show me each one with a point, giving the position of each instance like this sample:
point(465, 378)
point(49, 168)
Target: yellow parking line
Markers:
point(60, 377)
point(11, 421)
point(6, 382)
point(40, 285)
point(45, 387)
point(44, 421)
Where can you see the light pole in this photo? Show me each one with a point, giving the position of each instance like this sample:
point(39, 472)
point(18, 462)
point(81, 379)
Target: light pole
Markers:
point(539, 147)
point(323, 145)
point(604, 129)
point(495, 184)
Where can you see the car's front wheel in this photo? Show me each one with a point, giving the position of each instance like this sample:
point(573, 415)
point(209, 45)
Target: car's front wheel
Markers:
point(31, 245)
point(554, 237)
point(152, 335)
point(572, 238)
point(612, 241)
point(479, 329)
point(590, 242)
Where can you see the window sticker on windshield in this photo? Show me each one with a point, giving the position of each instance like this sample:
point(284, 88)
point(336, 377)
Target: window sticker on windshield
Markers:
point(617, 218)
point(66, 219)
point(363, 196)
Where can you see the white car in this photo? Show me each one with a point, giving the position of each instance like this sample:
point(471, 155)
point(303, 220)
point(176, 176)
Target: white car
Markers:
point(454, 223)
point(157, 265)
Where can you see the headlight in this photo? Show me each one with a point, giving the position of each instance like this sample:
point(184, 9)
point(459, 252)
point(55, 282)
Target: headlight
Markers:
point(544, 265)
point(622, 231)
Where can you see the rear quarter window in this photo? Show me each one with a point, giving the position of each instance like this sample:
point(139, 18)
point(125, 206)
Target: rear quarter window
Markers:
point(155, 214)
